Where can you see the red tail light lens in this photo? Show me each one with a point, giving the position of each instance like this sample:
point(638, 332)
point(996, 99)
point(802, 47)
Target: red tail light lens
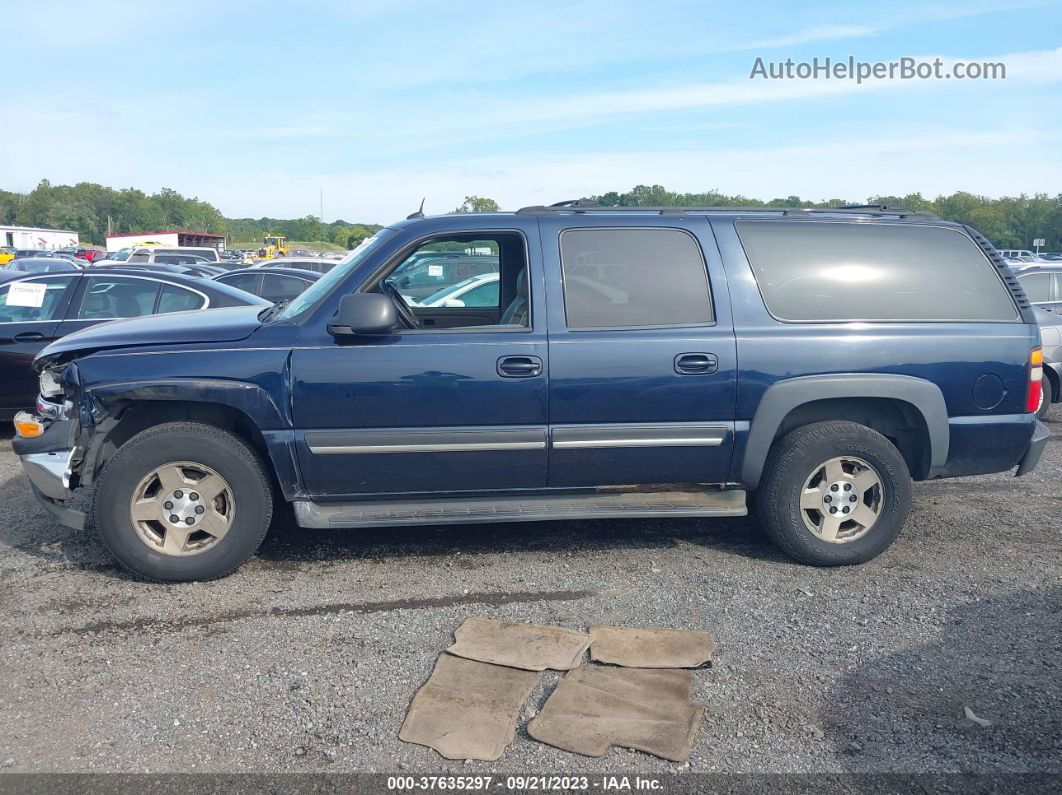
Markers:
point(1036, 374)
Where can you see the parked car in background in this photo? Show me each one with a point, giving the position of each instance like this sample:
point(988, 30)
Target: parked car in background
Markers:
point(84, 254)
point(170, 255)
point(1019, 254)
point(1043, 285)
point(316, 264)
point(1051, 340)
point(45, 308)
point(200, 269)
point(6, 255)
point(272, 284)
point(41, 265)
point(428, 274)
point(807, 359)
point(481, 290)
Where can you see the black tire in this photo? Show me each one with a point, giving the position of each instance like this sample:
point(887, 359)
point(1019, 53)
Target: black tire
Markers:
point(795, 457)
point(225, 453)
point(1049, 396)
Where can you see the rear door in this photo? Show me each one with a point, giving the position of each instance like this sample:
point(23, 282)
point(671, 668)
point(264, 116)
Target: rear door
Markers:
point(30, 311)
point(642, 353)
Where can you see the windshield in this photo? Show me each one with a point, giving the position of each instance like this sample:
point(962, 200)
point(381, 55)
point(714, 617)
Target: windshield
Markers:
point(318, 290)
point(121, 256)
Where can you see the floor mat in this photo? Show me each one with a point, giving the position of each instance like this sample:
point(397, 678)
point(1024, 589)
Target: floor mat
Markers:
point(595, 708)
point(650, 648)
point(467, 709)
point(532, 647)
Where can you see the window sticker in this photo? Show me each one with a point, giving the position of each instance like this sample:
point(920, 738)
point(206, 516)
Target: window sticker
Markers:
point(27, 294)
point(435, 271)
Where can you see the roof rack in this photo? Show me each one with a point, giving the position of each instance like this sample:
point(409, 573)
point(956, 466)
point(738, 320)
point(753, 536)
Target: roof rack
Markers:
point(580, 206)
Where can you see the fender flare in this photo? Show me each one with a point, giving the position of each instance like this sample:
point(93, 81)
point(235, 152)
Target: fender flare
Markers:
point(250, 399)
point(782, 397)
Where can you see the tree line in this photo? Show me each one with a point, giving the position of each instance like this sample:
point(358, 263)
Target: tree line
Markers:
point(94, 211)
point(1009, 221)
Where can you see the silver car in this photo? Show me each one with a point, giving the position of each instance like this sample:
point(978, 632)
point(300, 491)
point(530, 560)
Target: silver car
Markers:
point(1051, 340)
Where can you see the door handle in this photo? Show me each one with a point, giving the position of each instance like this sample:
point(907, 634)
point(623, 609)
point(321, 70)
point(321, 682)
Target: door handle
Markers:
point(696, 363)
point(29, 336)
point(519, 366)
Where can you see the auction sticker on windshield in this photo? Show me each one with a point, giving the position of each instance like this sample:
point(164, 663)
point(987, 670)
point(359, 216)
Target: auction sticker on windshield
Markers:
point(27, 294)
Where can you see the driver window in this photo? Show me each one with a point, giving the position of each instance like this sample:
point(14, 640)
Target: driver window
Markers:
point(463, 281)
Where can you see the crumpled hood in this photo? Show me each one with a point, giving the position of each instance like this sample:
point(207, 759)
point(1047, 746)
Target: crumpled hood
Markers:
point(227, 324)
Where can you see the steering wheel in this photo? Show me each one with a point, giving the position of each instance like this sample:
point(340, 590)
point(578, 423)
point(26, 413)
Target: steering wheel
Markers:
point(405, 314)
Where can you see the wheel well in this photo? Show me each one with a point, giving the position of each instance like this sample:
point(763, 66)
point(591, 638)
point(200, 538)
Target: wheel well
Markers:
point(138, 416)
point(898, 421)
point(1052, 376)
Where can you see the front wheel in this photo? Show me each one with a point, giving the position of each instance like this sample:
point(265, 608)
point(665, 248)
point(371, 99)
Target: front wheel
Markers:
point(183, 501)
point(834, 493)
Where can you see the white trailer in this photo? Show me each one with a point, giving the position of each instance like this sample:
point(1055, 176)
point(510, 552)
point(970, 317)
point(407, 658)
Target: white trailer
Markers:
point(167, 239)
point(37, 238)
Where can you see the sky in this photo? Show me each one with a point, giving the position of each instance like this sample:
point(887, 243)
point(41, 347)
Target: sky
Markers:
point(259, 107)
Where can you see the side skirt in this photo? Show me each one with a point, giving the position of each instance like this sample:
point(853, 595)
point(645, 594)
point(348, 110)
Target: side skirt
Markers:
point(593, 505)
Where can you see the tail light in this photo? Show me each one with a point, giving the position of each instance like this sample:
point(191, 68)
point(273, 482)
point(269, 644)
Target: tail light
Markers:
point(1036, 374)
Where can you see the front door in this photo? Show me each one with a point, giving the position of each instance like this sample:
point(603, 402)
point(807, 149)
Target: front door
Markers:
point(455, 405)
point(642, 355)
point(30, 312)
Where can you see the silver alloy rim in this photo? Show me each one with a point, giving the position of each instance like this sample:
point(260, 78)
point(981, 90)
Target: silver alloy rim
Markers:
point(182, 508)
point(841, 500)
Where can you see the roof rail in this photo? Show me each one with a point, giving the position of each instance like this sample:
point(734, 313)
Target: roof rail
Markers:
point(580, 206)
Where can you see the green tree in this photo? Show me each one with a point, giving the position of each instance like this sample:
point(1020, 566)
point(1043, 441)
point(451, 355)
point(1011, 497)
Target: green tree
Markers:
point(477, 204)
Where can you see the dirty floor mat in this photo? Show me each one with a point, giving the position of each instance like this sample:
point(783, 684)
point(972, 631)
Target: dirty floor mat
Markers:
point(650, 648)
point(467, 709)
point(532, 647)
point(595, 708)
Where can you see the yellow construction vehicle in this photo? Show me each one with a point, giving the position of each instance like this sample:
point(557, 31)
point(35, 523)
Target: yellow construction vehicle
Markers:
point(274, 246)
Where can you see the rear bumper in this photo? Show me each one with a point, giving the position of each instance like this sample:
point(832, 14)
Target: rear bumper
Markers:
point(1035, 450)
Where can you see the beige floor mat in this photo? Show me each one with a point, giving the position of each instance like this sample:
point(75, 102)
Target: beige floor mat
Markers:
point(532, 647)
point(595, 708)
point(650, 648)
point(468, 709)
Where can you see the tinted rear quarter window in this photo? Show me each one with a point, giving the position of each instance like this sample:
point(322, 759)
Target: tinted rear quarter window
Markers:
point(178, 299)
point(851, 271)
point(631, 278)
point(1037, 286)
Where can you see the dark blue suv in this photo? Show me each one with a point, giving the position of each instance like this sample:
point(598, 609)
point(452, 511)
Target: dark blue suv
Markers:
point(630, 362)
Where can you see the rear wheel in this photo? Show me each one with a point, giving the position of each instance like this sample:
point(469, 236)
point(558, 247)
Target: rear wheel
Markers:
point(183, 501)
point(834, 493)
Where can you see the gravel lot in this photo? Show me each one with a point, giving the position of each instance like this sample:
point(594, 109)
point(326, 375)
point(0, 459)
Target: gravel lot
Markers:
point(306, 659)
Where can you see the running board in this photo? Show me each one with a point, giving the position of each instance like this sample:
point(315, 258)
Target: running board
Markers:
point(595, 505)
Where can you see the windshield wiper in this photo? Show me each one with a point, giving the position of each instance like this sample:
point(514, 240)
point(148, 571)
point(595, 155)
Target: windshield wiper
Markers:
point(272, 311)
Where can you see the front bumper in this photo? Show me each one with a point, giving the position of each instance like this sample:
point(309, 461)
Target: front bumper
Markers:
point(1028, 463)
point(49, 477)
point(48, 461)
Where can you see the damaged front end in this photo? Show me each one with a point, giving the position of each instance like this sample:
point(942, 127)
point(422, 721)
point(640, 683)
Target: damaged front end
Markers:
point(54, 442)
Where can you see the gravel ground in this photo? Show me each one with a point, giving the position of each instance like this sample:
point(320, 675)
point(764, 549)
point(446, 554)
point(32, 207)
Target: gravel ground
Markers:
point(306, 658)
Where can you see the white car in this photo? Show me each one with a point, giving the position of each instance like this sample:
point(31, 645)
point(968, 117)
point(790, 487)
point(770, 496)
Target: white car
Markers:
point(479, 290)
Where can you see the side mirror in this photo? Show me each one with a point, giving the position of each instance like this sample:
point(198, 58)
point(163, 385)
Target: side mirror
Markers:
point(363, 313)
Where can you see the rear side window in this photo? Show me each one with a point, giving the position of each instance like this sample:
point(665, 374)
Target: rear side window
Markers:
point(278, 286)
point(844, 271)
point(629, 278)
point(1037, 286)
point(242, 281)
point(119, 296)
point(177, 299)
